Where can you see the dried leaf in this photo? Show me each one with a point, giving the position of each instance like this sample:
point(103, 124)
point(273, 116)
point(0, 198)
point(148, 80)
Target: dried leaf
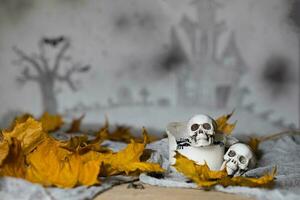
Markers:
point(89, 170)
point(50, 122)
point(128, 160)
point(94, 147)
point(81, 144)
point(28, 152)
point(254, 144)
point(200, 174)
point(266, 180)
point(204, 177)
point(4, 150)
point(20, 119)
point(75, 126)
point(121, 134)
point(223, 126)
point(29, 133)
point(62, 168)
point(14, 163)
point(75, 143)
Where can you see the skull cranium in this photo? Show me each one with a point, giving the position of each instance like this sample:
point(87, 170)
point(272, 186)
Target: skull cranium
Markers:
point(238, 159)
point(201, 130)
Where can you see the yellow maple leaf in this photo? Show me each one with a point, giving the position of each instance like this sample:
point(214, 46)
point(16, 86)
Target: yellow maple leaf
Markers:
point(121, 134)
point(81, 144)
point(61, 167)
point(51, 122)
point(254, 144)
point(223, 126)
point(28, 152)
point(200, 174)
point(266, 180)
point(128, 160)
point(75, 125)
point(19, 119)
point(75, 143)
point(29, 133)
point(46, 162)
point(64, 168)
point(204, 177)
point(90, 168)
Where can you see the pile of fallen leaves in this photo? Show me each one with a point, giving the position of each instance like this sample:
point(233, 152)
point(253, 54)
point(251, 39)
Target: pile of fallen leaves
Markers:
point(28, 151)
point(206, 178)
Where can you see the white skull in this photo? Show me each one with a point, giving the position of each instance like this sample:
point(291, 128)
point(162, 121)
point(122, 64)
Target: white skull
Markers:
point(201, 130)
point(238, 159)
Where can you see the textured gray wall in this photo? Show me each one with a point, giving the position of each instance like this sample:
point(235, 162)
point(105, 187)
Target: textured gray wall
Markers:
point(140, 61)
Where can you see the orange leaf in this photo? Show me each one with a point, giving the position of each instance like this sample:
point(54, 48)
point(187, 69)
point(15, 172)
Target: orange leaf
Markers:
point(128, 160)
point(29, 133)
point(122, 134)
point(223, 126)
point(20, 119)
point(75, 143)
point(204, 177)
point(200, 174)
point(50, 122)
point(75, 126)
point(60, 168)
point(254, 144)
point(266, 180)
point(65, 164)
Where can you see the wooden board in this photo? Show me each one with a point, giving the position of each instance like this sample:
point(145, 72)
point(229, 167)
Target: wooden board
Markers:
point(149, 192)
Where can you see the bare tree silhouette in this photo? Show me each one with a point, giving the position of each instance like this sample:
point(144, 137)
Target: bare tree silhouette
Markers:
point(37, 68)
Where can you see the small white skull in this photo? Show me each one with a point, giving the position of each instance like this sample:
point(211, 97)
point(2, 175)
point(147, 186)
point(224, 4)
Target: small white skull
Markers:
point(238, 159)
point(201, 130)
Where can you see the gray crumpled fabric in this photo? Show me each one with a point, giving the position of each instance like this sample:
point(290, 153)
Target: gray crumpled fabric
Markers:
point(284, 153)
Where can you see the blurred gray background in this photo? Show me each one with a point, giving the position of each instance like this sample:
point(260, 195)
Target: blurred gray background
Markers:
point(149, 62)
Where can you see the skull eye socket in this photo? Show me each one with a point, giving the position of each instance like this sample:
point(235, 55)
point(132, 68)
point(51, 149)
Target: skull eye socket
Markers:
point(194, 127)
point(231, 153)
point(242, 159)
point(206, 126)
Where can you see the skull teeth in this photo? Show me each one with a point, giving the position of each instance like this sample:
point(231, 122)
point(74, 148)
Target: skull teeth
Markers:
point(230, 171)
point(203, 136)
